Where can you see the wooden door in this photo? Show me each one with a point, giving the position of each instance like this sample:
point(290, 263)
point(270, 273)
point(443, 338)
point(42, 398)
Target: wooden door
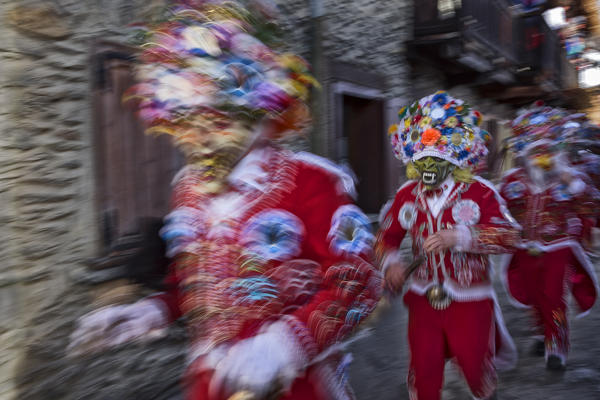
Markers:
point(133, 170)
point(364, 134)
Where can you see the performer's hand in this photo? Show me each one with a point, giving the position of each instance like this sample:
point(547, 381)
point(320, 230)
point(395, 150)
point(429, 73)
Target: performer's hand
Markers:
point(263, 365)
point(441, 240)
point(395, 275)
point(111, 326)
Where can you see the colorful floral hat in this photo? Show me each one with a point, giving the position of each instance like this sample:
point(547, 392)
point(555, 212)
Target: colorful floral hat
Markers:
point(440, 126)
point(582, 134)
point(540, 125)
point(207, 62)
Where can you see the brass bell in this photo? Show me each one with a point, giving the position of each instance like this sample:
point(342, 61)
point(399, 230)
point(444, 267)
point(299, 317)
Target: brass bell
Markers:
point(438, 298)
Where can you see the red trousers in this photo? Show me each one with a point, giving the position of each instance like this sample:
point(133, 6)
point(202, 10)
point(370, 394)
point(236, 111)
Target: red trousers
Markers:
point(464, 331)
point(544, 287)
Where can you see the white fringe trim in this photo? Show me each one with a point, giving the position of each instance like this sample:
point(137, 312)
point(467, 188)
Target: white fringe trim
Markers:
point(503, 208)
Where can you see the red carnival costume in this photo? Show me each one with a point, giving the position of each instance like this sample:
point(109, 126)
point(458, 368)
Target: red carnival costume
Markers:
point(583, 145)
point(270, 251)
point(271, 261)
point(464, 322)
point(555, 217)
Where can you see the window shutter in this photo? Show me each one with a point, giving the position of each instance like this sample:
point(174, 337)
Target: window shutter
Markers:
point(133, 170)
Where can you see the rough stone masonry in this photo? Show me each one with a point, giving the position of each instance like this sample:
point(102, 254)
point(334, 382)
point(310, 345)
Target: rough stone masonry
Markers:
point(48, 220)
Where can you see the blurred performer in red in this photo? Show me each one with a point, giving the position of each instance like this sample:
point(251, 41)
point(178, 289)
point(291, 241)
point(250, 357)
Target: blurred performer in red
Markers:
point(583, 144)
point(455, 220)
point(557, 209)
point(271, 260)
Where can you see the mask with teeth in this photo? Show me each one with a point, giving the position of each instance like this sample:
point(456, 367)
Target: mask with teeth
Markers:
point(433, 170)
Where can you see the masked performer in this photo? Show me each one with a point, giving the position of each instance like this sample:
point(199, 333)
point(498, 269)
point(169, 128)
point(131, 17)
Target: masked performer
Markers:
point(556, 208)
point(455, 220)
point(272, 262)
point(583, 145)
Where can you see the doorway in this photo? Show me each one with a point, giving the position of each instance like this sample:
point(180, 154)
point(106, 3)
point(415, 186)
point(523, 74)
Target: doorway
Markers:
point(362, 145)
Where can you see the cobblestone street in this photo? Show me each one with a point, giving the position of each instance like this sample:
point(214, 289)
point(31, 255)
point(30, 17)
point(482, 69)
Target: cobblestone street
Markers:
point(151, 371)
point(380, 361)
point(136, 130)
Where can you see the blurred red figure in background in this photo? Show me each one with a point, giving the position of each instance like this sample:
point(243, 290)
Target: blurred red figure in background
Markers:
point(271, 260)
point(557, 210)
point(455, 220)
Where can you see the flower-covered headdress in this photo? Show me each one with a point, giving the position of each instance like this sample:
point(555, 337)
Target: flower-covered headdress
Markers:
point(209, 73)
point(440, 126)
point(581, 134)
point(210, 62)
point(540, 126)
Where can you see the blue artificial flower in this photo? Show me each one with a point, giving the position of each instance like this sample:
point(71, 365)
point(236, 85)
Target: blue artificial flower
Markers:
point(520, 146)
point(538, 119)
point(447, 131)
point(241, 60)
point(198, 52)
point(182, 226)
point(350, 231)
point(561, 193)
point(408, 150)
point(514, 190)
point(440, 98)
point(236, 92)
point(450, 112)
point(463, 154)
point(273, 235)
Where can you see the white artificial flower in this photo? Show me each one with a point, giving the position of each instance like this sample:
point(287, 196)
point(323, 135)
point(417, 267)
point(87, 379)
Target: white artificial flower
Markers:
point(198, 37)
point(180, 91)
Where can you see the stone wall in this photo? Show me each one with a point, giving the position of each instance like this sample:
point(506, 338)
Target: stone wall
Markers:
point(372, 35)
point(47, 219)
point(427, 79)
point(360, 42)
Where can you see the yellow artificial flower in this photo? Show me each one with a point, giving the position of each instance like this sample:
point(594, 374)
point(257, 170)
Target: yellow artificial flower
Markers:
point(425, 121)
point(451, 122)
point(456, 139)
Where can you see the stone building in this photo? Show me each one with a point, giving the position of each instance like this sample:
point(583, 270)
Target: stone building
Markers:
point(357, 50)
point(80, 184)
point(78, 180)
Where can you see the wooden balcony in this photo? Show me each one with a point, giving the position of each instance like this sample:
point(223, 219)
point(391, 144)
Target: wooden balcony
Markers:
point(541, 57)
point(488, 24)
point(492, 45)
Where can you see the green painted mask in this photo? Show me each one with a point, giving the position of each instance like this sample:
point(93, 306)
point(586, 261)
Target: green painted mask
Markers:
point(433, 170)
